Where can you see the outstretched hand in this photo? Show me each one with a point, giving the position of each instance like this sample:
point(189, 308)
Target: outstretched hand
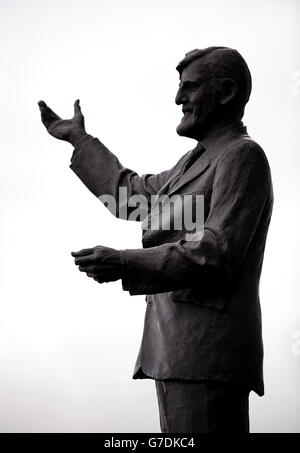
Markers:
point(72, 130)
point(101, 263)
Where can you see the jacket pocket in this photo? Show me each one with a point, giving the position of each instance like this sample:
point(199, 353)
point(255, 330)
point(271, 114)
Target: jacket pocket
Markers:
point(194, 296)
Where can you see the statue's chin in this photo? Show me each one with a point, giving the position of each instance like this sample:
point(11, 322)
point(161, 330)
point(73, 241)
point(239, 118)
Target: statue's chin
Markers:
point(191, 130)
point(179, 130)
point(184, 131)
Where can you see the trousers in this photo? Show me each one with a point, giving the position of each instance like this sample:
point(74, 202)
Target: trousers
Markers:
point(202, 407)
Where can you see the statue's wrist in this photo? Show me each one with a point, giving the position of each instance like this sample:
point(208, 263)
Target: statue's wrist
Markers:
point(76, 137)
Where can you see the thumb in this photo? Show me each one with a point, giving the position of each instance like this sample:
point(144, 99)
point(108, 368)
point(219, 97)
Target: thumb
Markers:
point(77, 108)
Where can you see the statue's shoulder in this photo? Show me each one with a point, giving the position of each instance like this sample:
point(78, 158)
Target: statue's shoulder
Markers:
point(243, 147)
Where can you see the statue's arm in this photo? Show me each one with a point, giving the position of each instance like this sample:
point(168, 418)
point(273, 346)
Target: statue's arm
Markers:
point(241, 201)
point(103, 174)
point(98, 168)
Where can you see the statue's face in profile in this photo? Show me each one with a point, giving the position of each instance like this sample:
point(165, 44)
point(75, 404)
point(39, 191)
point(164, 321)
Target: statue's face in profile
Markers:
point(197, 95)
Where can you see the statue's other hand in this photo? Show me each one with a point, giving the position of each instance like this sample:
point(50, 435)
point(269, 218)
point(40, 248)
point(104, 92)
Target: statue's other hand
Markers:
point(69, 130)
point(101, 263)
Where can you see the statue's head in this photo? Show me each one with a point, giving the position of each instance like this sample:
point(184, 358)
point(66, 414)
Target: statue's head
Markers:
point(215, 85)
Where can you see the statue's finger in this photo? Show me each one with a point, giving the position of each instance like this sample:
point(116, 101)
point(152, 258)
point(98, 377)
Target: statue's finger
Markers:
point(87, 269)
point(77, 108)
point(48, 116)
point(42, 104)
point(83, 252)
point(86, 259)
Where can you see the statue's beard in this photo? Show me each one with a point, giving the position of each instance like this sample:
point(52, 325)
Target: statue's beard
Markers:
point(192, 127)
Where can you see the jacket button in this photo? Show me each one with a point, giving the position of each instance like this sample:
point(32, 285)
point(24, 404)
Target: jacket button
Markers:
point(150, 303)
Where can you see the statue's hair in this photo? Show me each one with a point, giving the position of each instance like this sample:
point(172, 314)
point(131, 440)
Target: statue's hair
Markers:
point(223, 62)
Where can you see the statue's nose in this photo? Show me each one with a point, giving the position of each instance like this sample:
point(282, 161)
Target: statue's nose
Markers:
point(180, 97)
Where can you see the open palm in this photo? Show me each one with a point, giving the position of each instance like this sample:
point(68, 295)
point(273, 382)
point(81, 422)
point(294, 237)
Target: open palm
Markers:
point(69, 130)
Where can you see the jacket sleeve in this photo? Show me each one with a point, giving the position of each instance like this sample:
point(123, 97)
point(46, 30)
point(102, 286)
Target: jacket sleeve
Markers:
point(241, 188)
point(103, 174)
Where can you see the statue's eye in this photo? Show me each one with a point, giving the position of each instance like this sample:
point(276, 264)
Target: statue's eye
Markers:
point(193, 86)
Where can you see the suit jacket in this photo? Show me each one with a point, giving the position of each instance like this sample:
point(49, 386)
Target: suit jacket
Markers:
point(203, 317)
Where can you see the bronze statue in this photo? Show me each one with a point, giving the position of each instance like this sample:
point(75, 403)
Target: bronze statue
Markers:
point(202, 341)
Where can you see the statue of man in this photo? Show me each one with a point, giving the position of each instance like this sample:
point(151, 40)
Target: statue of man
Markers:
point(202, 340)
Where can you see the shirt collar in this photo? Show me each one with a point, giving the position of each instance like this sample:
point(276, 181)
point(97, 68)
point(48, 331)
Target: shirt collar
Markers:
point(217, 139)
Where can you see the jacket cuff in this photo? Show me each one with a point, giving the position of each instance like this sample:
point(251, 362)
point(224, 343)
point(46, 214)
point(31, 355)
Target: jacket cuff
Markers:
point(143, 273)
point(80, 145)
point(124, 270)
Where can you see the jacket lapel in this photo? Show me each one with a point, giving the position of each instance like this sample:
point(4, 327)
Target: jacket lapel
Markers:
point(236, 132)
point(194, 171)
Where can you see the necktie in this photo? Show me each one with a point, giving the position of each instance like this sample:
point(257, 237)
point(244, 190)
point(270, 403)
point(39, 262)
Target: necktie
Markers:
point(195, 154)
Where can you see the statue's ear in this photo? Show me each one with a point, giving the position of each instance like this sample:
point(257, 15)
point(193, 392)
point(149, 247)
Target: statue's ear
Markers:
point(229, 90)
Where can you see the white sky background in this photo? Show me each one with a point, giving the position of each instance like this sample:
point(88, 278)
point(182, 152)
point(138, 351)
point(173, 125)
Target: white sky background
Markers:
point(68, 345)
